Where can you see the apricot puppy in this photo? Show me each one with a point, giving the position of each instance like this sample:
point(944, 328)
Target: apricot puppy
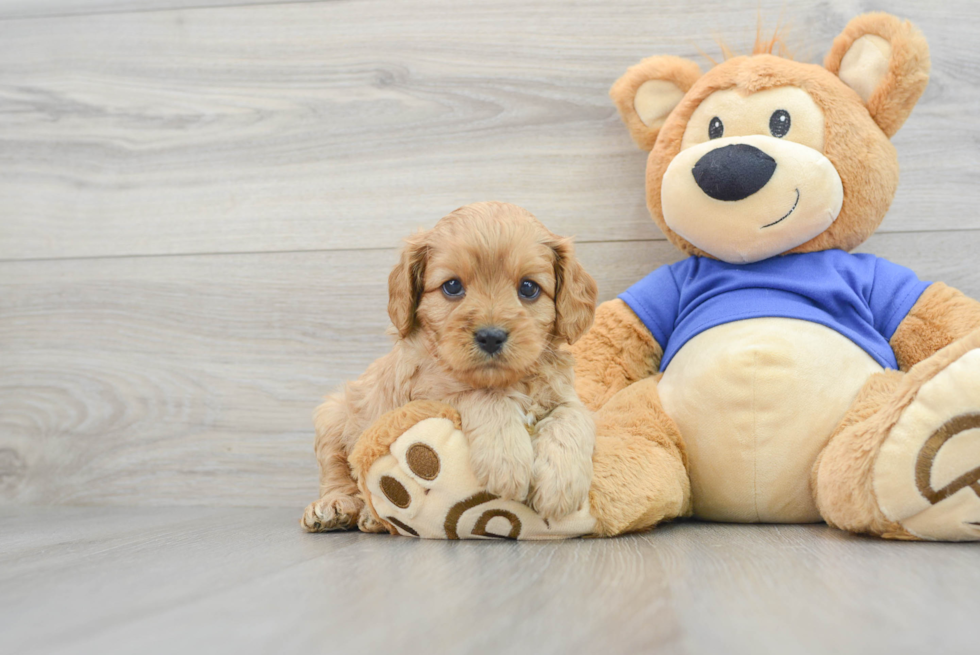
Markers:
point(481, 304)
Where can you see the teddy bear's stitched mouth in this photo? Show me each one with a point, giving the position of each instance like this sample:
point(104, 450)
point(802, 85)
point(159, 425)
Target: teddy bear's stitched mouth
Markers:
point(787, 213)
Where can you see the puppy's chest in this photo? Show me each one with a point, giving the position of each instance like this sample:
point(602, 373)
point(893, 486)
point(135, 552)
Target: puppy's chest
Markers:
point(529, 406)
point(527, 410)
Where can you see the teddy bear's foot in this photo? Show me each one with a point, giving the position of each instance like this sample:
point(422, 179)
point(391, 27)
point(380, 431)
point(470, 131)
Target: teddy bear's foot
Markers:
point(425, 487)
point(336, 511)
point(927, 473)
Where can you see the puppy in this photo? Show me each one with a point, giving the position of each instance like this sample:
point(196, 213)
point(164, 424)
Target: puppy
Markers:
point(481, 304)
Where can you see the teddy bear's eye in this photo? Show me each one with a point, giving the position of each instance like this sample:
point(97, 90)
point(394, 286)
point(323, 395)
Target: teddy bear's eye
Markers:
point(715, 128)
point(779, 123)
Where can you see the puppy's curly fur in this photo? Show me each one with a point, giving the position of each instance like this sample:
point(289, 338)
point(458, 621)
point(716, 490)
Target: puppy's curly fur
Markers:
point(530, 437)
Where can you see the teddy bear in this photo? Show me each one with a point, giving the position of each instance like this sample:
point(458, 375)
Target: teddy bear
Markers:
point(771, 376)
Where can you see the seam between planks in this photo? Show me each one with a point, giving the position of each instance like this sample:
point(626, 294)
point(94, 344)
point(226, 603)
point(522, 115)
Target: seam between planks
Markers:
point(14, 260)
point(267, 252)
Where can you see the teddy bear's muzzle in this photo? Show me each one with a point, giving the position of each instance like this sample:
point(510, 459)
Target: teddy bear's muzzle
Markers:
point(742, 199)
point(733, 172)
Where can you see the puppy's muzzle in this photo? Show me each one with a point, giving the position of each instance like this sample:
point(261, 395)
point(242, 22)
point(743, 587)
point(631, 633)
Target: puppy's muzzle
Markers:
point(733, 172)
point(490, 340)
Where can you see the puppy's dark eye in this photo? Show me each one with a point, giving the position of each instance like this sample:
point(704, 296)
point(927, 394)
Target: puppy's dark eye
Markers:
point(779, 123)
point(453, 288)
point(528, 290)
point(715, 128)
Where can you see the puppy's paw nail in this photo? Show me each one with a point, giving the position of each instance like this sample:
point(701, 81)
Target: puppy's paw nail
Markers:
point(367, 523)
point(332, 512)
point(558, 506)
point(556, 496)
point(509, 487)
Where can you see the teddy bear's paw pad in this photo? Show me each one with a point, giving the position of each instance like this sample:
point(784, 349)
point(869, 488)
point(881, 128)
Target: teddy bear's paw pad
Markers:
point(425, 487)
point(485, 516)
point(417, 451)
point(927, 474)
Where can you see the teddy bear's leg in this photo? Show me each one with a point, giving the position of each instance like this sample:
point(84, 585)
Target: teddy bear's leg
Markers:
point(640, 463)
point(905, 461)
point(414, 470)
point(640, 474)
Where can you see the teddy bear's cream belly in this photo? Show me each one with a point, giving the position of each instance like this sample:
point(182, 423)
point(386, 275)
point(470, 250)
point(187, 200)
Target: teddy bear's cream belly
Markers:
point(755, 402)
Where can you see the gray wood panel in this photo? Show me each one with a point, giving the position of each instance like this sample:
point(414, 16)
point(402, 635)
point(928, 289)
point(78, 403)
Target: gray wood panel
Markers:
point(87, 580)
point(191, 380)
point(18, 9)
point(347, 124)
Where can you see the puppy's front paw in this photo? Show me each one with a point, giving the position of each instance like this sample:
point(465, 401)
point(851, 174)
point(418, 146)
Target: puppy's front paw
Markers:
point(332, 512)
point(560, 480)
point(367, 523)
point(504, 471)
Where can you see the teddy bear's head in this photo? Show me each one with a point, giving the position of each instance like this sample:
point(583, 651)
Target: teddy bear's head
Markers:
point(762, 155)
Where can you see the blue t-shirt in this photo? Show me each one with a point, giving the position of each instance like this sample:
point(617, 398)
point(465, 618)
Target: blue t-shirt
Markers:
point(861, 296)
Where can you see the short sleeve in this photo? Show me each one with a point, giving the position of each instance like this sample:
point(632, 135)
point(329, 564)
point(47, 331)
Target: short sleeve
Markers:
point(656, 301)
point(894, 292)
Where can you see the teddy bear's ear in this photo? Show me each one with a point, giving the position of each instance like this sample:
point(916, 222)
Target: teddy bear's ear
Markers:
point(649, 91)
point(886, 60)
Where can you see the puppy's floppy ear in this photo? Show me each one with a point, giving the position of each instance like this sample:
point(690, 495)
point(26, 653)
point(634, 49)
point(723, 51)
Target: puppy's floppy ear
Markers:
point(886, 60)
point(575, 293)
point(647, 93)
point(406, 284)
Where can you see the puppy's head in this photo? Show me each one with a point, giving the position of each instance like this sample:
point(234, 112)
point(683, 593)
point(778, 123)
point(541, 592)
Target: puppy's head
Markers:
point(489, 290)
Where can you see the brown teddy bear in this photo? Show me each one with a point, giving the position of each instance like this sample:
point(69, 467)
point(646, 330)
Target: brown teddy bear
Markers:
point(771, 376)
point(775, 377)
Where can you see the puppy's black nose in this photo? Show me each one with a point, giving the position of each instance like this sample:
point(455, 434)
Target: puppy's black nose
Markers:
point(733, 172)
point(490, 340)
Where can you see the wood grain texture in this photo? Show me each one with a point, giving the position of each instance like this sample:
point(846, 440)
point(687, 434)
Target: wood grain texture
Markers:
point(347, 124)
point(197, 207)
point(191, 380)
point(19, 9)
point(106, 581)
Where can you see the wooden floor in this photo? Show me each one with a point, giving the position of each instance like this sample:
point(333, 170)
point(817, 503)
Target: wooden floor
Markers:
point(189, 580)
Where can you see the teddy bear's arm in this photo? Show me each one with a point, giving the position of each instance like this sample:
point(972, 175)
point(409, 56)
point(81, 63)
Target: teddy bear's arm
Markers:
point(939, 317)
point(618, 351)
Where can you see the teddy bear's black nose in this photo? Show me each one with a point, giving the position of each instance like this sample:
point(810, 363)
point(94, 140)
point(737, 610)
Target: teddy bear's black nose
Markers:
point(733, 172)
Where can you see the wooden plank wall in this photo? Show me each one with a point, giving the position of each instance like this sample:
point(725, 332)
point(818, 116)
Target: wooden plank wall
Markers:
point(200, 202)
